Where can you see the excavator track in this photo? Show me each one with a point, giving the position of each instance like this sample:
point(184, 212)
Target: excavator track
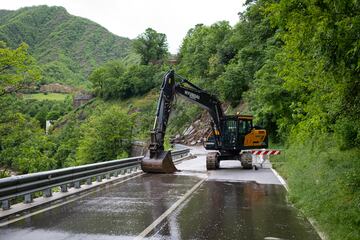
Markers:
point(212, 161)
point(246, 160)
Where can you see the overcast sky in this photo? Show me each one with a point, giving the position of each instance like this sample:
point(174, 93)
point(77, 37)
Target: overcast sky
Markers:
point(129, 18)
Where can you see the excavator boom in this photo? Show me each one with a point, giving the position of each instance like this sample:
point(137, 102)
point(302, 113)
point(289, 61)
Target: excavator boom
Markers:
point(157, 160)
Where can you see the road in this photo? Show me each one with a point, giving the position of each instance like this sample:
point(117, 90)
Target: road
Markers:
point(230, 203)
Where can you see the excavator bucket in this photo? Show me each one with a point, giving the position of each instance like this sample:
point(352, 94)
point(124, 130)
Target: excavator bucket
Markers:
point(160, 163)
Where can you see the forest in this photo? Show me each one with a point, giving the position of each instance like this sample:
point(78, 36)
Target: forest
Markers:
point(294, 64)
point(66, 47)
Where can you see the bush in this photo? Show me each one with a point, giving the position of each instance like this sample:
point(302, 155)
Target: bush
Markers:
point(24, 147)
point(106, 136)
point(116, 80)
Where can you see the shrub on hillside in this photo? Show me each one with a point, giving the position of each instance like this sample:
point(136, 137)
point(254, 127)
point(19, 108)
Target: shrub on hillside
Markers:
point(116, 80)
point(106, 136)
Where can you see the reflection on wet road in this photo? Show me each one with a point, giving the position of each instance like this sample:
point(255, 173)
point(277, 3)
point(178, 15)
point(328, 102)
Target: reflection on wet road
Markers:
point(233, 210)
point(123, 210)
point(228, 205)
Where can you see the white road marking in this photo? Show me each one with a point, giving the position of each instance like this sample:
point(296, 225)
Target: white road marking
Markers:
point(147, 230)
point(312, 221)
point(60, 204)
point(283, 182)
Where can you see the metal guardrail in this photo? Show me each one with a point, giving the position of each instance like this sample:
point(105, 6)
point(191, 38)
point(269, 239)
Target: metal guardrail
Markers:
point(28, 184)
point(176, 154)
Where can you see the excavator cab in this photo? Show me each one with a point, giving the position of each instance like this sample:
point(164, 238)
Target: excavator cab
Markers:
point(238, 133)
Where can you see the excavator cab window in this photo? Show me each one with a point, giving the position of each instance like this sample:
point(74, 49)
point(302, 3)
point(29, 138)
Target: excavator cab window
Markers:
point(229, 133)
point(245, 126)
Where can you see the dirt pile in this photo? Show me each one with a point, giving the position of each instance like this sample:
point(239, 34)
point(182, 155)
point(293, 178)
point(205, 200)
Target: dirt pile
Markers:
point(200, 129)
point(197, 132)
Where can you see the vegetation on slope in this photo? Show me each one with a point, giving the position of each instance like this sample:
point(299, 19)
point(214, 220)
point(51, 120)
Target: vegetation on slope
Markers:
point(47, 96)
point(295, 63)
point(66, 47)
point(99, 131)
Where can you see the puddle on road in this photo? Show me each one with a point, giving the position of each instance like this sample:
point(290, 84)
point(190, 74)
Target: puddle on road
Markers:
point(228, 210)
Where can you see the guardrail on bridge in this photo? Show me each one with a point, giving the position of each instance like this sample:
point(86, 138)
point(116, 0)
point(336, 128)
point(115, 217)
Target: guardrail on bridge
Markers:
point(25, 186)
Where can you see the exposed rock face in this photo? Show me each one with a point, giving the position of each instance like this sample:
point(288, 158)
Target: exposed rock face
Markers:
point(56, 88)
point(197, 132)
point(81, 98)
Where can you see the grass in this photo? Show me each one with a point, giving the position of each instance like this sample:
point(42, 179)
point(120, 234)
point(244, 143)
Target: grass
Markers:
point(49, 96)
point(324, 184)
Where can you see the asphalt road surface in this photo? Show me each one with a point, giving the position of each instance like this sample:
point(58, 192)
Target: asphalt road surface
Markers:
point(230, 203)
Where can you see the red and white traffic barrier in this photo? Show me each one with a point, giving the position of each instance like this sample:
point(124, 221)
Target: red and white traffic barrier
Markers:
point(260, 157)
point(265, 152)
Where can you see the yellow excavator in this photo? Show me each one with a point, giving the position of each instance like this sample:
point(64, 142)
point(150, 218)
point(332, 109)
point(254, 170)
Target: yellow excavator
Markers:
point(231, 134)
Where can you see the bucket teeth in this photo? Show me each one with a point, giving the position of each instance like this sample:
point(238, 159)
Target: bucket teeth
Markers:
point(160, 163)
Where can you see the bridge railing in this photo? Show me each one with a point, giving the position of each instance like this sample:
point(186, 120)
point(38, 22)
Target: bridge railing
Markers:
point(27, 185)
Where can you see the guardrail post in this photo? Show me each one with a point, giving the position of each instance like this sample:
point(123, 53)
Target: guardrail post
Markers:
point(116, 173)
point(99, 178)
point(28, 198)
point(77, 184)
point(47, 192)
point(5, 204)
point(89, 181)
point(64, 188)
point(108, 176)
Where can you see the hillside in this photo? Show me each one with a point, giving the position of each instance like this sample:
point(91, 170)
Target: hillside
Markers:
point(66, 47)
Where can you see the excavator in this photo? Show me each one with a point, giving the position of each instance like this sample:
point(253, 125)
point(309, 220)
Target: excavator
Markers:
point(231, 134)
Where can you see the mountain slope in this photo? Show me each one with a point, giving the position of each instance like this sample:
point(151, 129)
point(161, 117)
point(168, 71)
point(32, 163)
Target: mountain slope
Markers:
point(67, 47)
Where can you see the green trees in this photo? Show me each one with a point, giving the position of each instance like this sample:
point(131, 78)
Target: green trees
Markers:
point(226, 58)
point(308, 91)
point(320, 60)
point(66, 47)
point(199, 55)
point(319, 64)
point(296, 65)
point(122, 79)
point(46, 110)
point(18, 69)
point(116, 80)
point(151, 46)
point(106, 137)
point(23, 144)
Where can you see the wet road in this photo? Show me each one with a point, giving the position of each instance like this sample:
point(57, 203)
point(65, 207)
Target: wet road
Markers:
point(225, 210)
point(228, 205)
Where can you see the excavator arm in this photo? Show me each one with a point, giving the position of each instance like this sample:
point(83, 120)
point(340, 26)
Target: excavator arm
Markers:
point(158, 160)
